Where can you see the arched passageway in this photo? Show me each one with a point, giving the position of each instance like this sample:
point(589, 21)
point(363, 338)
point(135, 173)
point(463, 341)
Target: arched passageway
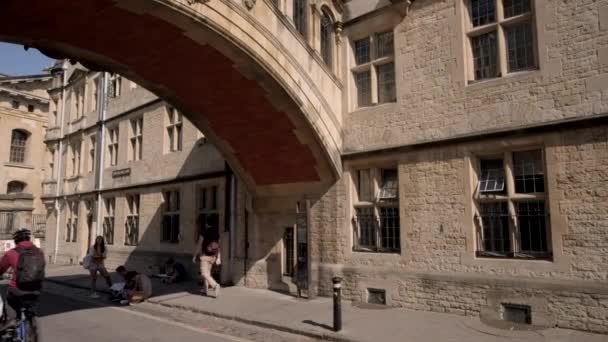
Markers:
point(237, 73)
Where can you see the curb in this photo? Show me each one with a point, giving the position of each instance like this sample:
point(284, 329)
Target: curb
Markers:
point(267, 325)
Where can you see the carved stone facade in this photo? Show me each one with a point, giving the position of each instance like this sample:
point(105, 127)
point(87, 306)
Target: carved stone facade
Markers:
point(24, 110)
point(446, 159)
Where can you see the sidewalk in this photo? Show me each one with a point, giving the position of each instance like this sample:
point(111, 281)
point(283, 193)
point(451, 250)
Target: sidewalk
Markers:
point(314, 318)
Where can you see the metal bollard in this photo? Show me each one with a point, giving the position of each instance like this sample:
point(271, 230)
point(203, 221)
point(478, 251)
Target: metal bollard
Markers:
point(337, 303)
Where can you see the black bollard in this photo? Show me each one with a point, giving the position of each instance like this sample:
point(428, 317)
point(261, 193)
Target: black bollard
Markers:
point(337, 303)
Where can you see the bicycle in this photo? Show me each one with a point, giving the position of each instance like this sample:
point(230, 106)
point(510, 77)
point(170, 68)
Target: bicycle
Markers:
point(23, 328)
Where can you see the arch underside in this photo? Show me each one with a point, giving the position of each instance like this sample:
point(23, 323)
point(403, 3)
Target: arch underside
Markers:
point(256, 135)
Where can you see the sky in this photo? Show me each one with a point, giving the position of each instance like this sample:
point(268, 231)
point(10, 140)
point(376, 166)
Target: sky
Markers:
point(14, 60)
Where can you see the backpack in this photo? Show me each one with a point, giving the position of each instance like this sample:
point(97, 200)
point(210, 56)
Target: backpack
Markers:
point(213, 248)
point(30, 269)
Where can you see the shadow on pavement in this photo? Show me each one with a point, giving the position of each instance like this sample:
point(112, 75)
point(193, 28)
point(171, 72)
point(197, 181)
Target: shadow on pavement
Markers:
point(320, 325)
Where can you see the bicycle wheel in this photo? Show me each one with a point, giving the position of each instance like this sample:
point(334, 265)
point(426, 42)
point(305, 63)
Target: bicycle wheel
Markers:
point(31, 330)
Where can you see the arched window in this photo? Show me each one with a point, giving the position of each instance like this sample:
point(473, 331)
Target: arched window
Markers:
point(18, 144)
point(15, 187)
point(299, 16)
point(327, 31)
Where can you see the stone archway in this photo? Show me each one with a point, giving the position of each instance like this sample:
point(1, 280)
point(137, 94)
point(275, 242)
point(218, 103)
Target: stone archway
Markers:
point(241, 75)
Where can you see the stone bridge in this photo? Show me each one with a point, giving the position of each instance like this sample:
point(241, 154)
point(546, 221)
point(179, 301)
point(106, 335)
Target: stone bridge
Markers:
point(238, 69)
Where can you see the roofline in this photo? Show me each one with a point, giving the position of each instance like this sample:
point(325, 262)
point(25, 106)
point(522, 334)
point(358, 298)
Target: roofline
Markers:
point(25, 95)
point(25, 77)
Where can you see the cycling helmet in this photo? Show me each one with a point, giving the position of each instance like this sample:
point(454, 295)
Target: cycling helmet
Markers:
point(22, 235)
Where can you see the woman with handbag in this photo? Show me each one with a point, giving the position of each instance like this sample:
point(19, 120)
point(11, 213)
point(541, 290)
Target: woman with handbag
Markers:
point(95, 261)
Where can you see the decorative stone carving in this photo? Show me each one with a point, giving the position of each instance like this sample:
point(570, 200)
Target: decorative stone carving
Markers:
point(338, 31)
point(249, 3)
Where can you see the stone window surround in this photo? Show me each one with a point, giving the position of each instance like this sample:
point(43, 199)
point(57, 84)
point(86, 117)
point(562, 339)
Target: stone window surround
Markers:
point(133, 211)
point(173, 130)
point(113, 142)
point(556, 222)
point(76, 100)
point(109, 214)
point(349, 179)
point(136, 128)
point(94, 92)
point(92, 151)
point(208, 183)
point(360, 30)
point(75, 158)
point(72, 222)
point(52, 155)
point(115, 86)
point(463, 26)
point(510, 196)
point(167, 212)
point(17, 149)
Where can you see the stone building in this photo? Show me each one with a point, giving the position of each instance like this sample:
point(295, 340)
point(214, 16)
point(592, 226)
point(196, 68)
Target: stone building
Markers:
point(24, 106)
point(475, 161)
point(441, 155)
point(129, 167)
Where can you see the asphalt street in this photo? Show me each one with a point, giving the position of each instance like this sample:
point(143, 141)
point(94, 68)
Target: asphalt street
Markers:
point(65, 320)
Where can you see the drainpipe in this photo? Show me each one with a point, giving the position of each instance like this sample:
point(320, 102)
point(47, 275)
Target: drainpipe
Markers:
point(233, 186)
point(230, 215)
point(59, 184)
point(100, 158)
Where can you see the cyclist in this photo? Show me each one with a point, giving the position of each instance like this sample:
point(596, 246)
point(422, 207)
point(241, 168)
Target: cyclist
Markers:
point(27, 262)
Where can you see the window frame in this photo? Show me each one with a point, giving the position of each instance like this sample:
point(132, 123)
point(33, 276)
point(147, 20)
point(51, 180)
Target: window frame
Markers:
point(76, 156)
point(300, 17)
point(133, 202)
point(289, 251)
point(372, 67)
point(92, 152)
point(115, 86)
point(374, 204)
point(513, 200)
point(113, 146)
point(327, 37)
point(174, 130)
point(204, 211)
point(109, 220)
point(12, 183)
point(72, 221)
point(499, 26)
point(171, 213)
point(136, 138)
point(18, 152)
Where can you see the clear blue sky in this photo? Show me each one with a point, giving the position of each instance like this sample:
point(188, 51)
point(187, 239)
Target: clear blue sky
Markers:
point(14, 60)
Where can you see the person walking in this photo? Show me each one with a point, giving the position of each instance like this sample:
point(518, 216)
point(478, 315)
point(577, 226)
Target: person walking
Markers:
point(208, 253)
point(97, 255)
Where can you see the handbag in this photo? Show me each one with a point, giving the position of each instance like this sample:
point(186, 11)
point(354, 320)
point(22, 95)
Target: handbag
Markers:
point(86, 262)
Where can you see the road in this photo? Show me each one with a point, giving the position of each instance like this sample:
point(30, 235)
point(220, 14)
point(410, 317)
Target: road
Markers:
point(66, 320)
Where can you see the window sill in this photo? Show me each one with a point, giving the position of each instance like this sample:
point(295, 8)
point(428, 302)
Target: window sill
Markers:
point(377, 251)
point(512, 76)
point(73, 178)
point(373, 106)
point(19, 165)
point(548, 256)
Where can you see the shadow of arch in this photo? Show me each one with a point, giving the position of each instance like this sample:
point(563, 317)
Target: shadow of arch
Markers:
point(274, 118)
